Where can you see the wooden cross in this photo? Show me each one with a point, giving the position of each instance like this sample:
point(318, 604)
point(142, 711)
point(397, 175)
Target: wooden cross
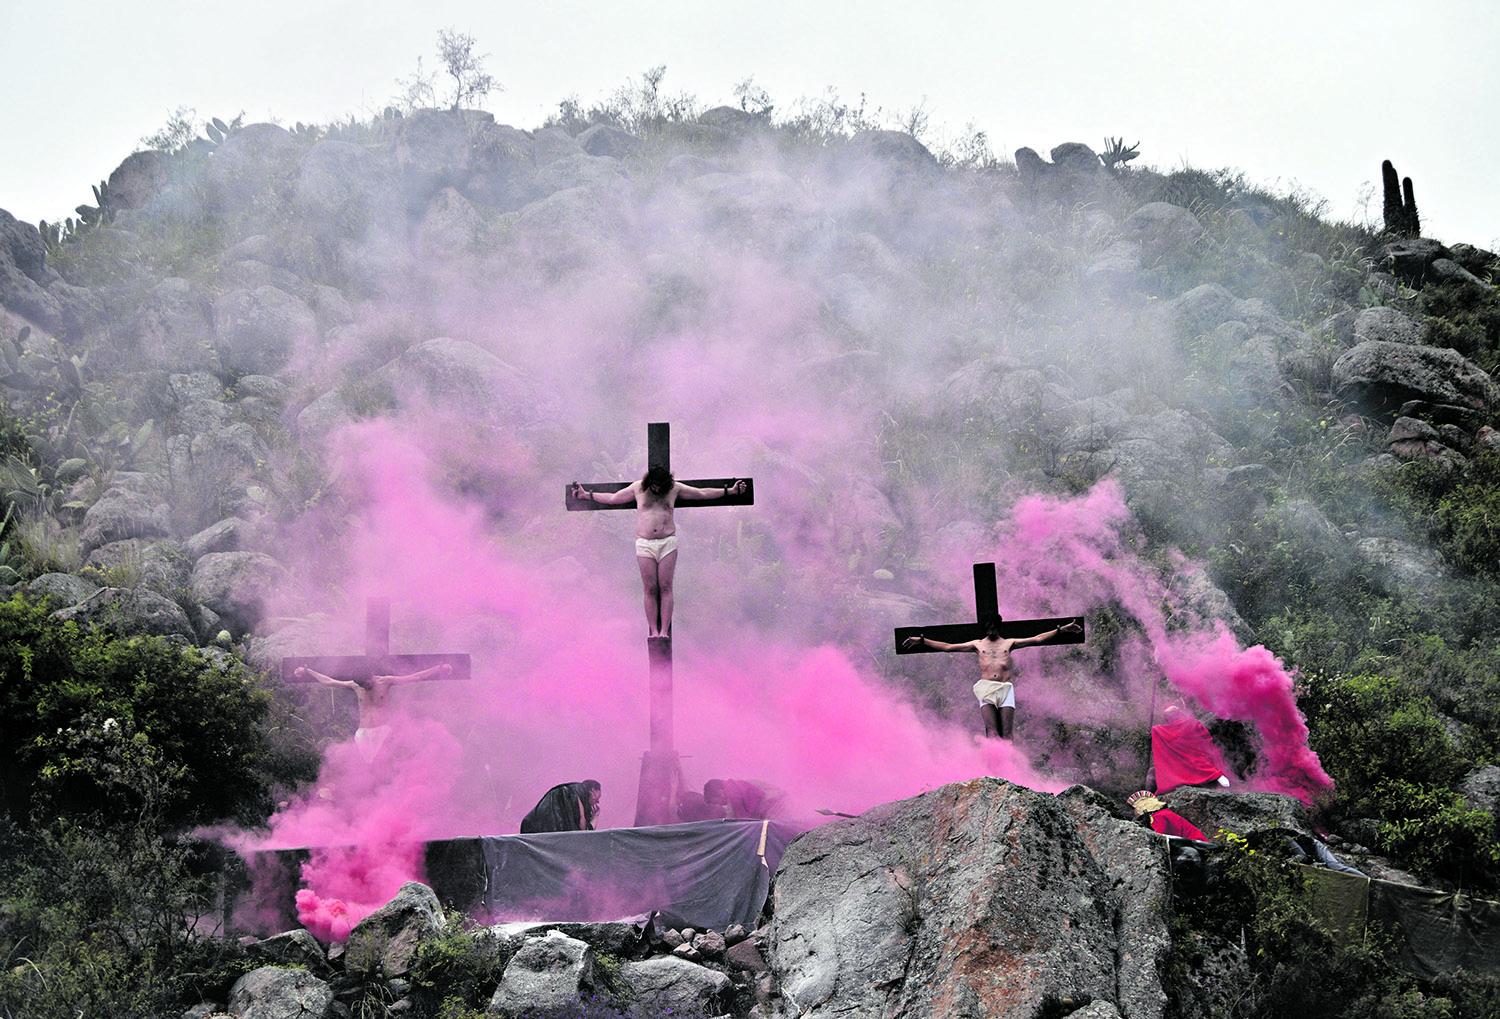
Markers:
point(377, 659)
point(661, 772)
point(986, 607)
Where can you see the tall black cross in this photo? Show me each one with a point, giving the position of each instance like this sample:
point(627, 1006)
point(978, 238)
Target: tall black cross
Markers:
point(661, 772)
point(986, 607)
point(377, 659)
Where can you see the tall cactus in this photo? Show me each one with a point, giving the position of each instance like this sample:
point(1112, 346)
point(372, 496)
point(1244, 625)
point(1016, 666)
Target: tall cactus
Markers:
point(1400, 205)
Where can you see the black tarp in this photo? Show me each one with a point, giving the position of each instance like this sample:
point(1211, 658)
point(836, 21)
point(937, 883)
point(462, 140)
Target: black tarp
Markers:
point(1438, 932)
point(707, 874)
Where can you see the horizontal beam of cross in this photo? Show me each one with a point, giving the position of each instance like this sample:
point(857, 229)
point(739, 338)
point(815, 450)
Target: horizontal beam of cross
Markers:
point(367, 667)
point(958, 633)
point(745, 498)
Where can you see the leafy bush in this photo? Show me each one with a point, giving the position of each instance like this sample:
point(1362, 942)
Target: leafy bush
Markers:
point(1437, 831)
point(62, 689)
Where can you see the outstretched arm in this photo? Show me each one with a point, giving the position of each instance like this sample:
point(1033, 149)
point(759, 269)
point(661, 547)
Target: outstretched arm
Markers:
point(736, 487)
point(620, 498)
point(938, 645)
point(415, 677)
point(303, 672)
point(1042, 638)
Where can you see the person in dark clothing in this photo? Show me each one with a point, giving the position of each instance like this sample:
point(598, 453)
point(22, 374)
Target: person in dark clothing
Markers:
point(571, 806)
point(691, 806)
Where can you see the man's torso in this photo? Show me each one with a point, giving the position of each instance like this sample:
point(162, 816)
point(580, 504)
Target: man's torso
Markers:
point(653, 518)
point(994, 659)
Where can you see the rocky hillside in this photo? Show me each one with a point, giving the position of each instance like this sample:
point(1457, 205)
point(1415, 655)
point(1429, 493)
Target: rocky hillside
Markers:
point(901, 343)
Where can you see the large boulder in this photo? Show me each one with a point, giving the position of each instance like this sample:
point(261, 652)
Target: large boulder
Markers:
point(259, 330)
point(432, 151)
point(254, 159)
point(1481, 787)
point(234, 584)
point(1401, 566)
point(228, 535)
point(607, 140)
point(272, 992)
point(1010, 918)
point(895, 149)
point(1238, 811)
point(449, 229)
point(122, 513)
point(387, 940)
point(61, 589)
point(1161, 228)
point(550, 974)
point(291, 948)
point(157, 565)
point(138, 179)
point(1139, 869)
point(1388, 324)
point(668, 985)
point(173, 330)
point(1382, 375)
point(24, 276)
point(339, 187)
point(130, 611)
point(457, 375)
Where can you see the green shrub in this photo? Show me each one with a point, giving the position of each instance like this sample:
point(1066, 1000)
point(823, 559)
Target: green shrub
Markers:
point(1437, 832)
point(62, 687)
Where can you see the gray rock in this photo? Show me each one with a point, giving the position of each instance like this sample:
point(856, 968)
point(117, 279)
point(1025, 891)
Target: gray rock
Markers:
point(503, 166)
point(138, 179)
point(122, 513)
point(193, 387)
point(24, 276)
point(1445, 270)
point(1481, 787)
point(1075, 157)
point(263, 387)
point(1161, 228)
point(686, 951)
point(729, 118)
point(1015, 910)
point(387, 940)
point(234, 584)
point(1410, 438)
point(610, 141)
point(1202, 308)
point(459, 376)
point(1405, 567)
point(292, 948)
point(258, 330)
point(1380, 374)
point(747, 954)
point(130, 611)
point(338, 187)
point(62, 589)
point(1487, 439)
point(1387, 324)
point(172, 328)
point(203, 1010)
point(272, 992)
point(1236, 810)
point(709, 944)
point(329, 306)
point(161, 566)
point(1478, 261)
point(551, 972)
point(1409, 258)
point(449, 229)
point(895, 149)
point(1140, 891)
point(671, 986)
point(323, 416)
point(253, 160)
point(551, 143)
point(228, 535)
point(578, 170)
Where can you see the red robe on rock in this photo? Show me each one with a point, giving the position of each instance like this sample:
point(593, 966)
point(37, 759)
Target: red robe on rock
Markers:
point(1169, 822)
point(1183, 753)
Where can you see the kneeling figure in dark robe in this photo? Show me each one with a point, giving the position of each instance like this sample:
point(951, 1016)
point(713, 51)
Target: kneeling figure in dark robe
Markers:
point(571, 806)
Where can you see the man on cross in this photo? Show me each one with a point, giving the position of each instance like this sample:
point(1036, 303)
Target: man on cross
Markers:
point(655, 496)
point(373, 694)
point(996, 687)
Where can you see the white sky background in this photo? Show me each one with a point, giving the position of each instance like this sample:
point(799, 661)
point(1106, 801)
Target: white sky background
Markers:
point(1313, 92)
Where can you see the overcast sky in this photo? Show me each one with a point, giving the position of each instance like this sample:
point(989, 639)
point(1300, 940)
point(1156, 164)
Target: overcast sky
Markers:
point(1311, 92)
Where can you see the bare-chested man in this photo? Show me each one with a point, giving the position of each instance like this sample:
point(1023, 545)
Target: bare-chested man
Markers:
point(655, 497)
point(996, 688)
point(373, 694)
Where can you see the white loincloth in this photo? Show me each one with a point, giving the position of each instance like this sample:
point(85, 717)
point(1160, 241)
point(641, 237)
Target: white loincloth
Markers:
point(991, 691)
point(371, 740)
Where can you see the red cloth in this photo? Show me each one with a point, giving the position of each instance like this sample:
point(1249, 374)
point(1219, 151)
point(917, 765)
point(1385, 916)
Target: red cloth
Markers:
point(1183, 753)
point(1169, 822)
